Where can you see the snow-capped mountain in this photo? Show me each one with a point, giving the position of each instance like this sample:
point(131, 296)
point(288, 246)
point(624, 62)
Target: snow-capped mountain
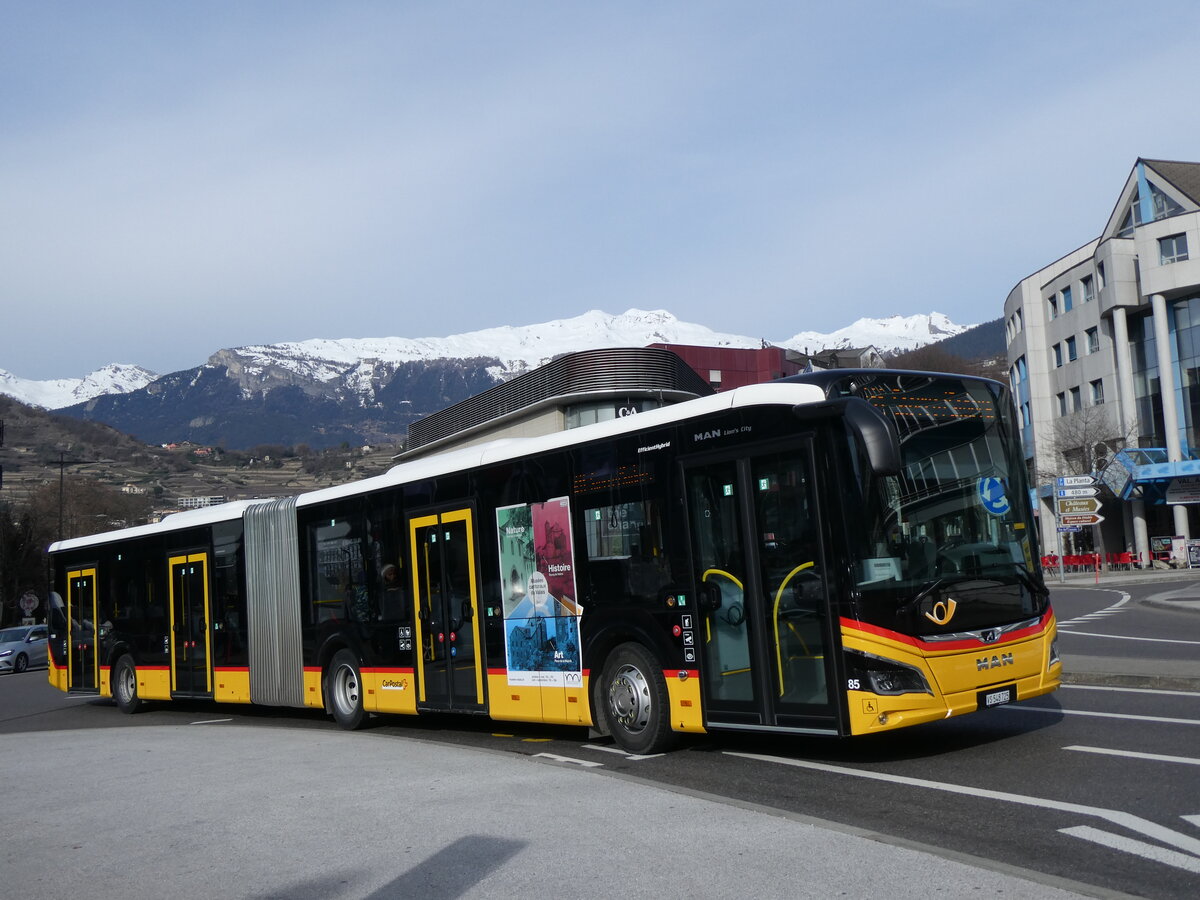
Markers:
point(518, 348)
point(116, 378)
point(895, 334)
point(363, 370)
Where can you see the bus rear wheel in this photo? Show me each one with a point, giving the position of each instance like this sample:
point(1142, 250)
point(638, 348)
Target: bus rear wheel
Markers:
point(344, 692)
point(636, 703)
point(124, 686)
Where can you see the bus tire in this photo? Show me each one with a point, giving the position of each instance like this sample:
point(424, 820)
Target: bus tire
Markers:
point(635, 700)
point(344, 691)
point(124, 686)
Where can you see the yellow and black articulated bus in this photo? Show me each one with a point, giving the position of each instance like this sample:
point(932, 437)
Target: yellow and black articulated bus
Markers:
point(839, 553)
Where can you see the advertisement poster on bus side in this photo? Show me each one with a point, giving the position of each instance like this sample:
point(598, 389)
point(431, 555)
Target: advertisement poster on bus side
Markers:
point(541, 610)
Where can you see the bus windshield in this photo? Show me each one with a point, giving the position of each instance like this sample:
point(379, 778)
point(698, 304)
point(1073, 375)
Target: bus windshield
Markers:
point(955, 524)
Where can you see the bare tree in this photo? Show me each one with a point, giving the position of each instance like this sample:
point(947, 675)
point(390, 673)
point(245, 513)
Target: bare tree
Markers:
point(1083, 442)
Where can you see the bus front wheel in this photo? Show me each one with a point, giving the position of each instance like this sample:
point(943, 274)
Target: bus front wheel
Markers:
point(344, 692)
point(124, 686)
point(636, 704)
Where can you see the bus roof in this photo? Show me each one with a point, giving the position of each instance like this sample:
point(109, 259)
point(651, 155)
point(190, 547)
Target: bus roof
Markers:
point(501, 450)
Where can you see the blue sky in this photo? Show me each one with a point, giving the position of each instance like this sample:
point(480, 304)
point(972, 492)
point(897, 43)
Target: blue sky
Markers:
point(180, 177)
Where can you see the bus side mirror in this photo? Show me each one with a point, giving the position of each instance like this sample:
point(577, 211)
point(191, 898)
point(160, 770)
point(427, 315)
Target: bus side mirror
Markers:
point(867, 425)
point(877, 434)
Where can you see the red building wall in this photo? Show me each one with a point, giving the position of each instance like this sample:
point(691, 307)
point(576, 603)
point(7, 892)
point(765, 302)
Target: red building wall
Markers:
point(737, 367)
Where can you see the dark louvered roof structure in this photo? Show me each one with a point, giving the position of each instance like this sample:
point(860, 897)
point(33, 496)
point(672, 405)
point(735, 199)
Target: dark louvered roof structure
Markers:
point(1185, 176)
point(633, 372)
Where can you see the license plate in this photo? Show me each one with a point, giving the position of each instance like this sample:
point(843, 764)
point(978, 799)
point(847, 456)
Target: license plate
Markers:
point(997, 696)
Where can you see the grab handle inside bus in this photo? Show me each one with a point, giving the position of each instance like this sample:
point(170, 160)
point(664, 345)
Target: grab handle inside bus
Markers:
point(867, 424)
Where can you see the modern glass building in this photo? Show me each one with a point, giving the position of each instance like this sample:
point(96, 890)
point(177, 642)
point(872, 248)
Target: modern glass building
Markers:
point(1104, 358)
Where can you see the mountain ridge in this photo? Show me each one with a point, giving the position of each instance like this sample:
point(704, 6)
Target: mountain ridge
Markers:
point(361, 367)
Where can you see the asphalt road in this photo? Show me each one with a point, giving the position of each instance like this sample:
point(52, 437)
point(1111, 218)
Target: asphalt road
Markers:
point(1095, 789)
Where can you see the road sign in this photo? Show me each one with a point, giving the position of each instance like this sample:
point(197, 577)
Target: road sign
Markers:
point(1075, 481)
point(1063, 529)
point(1076, 492)
point(1079, 505)
point(1088, 519)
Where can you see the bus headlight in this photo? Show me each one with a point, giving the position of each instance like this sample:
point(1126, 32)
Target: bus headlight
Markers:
point(884, 676)
point(1054, 658)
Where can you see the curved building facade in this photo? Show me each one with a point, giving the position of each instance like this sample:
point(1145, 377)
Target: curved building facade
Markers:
point(575, 389)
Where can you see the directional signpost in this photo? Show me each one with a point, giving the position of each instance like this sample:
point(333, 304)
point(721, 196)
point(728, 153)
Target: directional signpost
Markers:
point(1076, 505)
point(1070, 492)
point(1087, 519)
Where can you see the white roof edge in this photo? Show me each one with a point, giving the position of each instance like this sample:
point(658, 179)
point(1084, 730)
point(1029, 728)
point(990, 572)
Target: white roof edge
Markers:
point(206, 515)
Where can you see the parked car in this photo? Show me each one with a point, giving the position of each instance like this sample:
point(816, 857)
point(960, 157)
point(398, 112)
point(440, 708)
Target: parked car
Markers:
point(21, 647)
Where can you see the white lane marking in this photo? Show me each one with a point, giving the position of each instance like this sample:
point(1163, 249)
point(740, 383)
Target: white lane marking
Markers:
point(211, 721)
point(620, 752)
point(1116, 817)
point(1127, 637)
point(1195, 820)
point(586, 763)
point(1137, 848)
point(1126, 690)
point(1134, 754)
point(1116, 607)
point(1162, 720)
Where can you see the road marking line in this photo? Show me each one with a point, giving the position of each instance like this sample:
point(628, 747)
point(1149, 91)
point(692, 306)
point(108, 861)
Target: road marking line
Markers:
point(1137, 848)
point(620, 752)
point(1195, 820)
point(1127, 690)
point(1114, 816)
point(1102, 715)
point(1133, 754)
point(1126, 637)
point(586, 763)
point(210, 721)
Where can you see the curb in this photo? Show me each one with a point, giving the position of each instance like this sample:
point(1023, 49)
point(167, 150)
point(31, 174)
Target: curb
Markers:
point(1145, 682)
point(1190, 605)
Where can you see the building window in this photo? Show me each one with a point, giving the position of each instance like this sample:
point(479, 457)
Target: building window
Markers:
point(1062, 404)
point(1058, 356)
point(1089, 289)
point(1072, 353)
point(1026, 416)
point(1093, 340)
point(1097, 392)
point(1100, 275)
point(1052, 303)
point(1172, 249)
point(1020, 320)
point(1076, 400)
point(1066, 303)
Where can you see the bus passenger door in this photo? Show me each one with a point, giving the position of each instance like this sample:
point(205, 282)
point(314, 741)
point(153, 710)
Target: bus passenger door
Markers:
point(765, 625)
point(190, 641)
point(83, 666)
point(449, 664)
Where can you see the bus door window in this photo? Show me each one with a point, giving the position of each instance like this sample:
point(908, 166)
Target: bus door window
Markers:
point(720, 561)
point(446, 601)
point(81, 630)
point(791, 575)
point(190, 635)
